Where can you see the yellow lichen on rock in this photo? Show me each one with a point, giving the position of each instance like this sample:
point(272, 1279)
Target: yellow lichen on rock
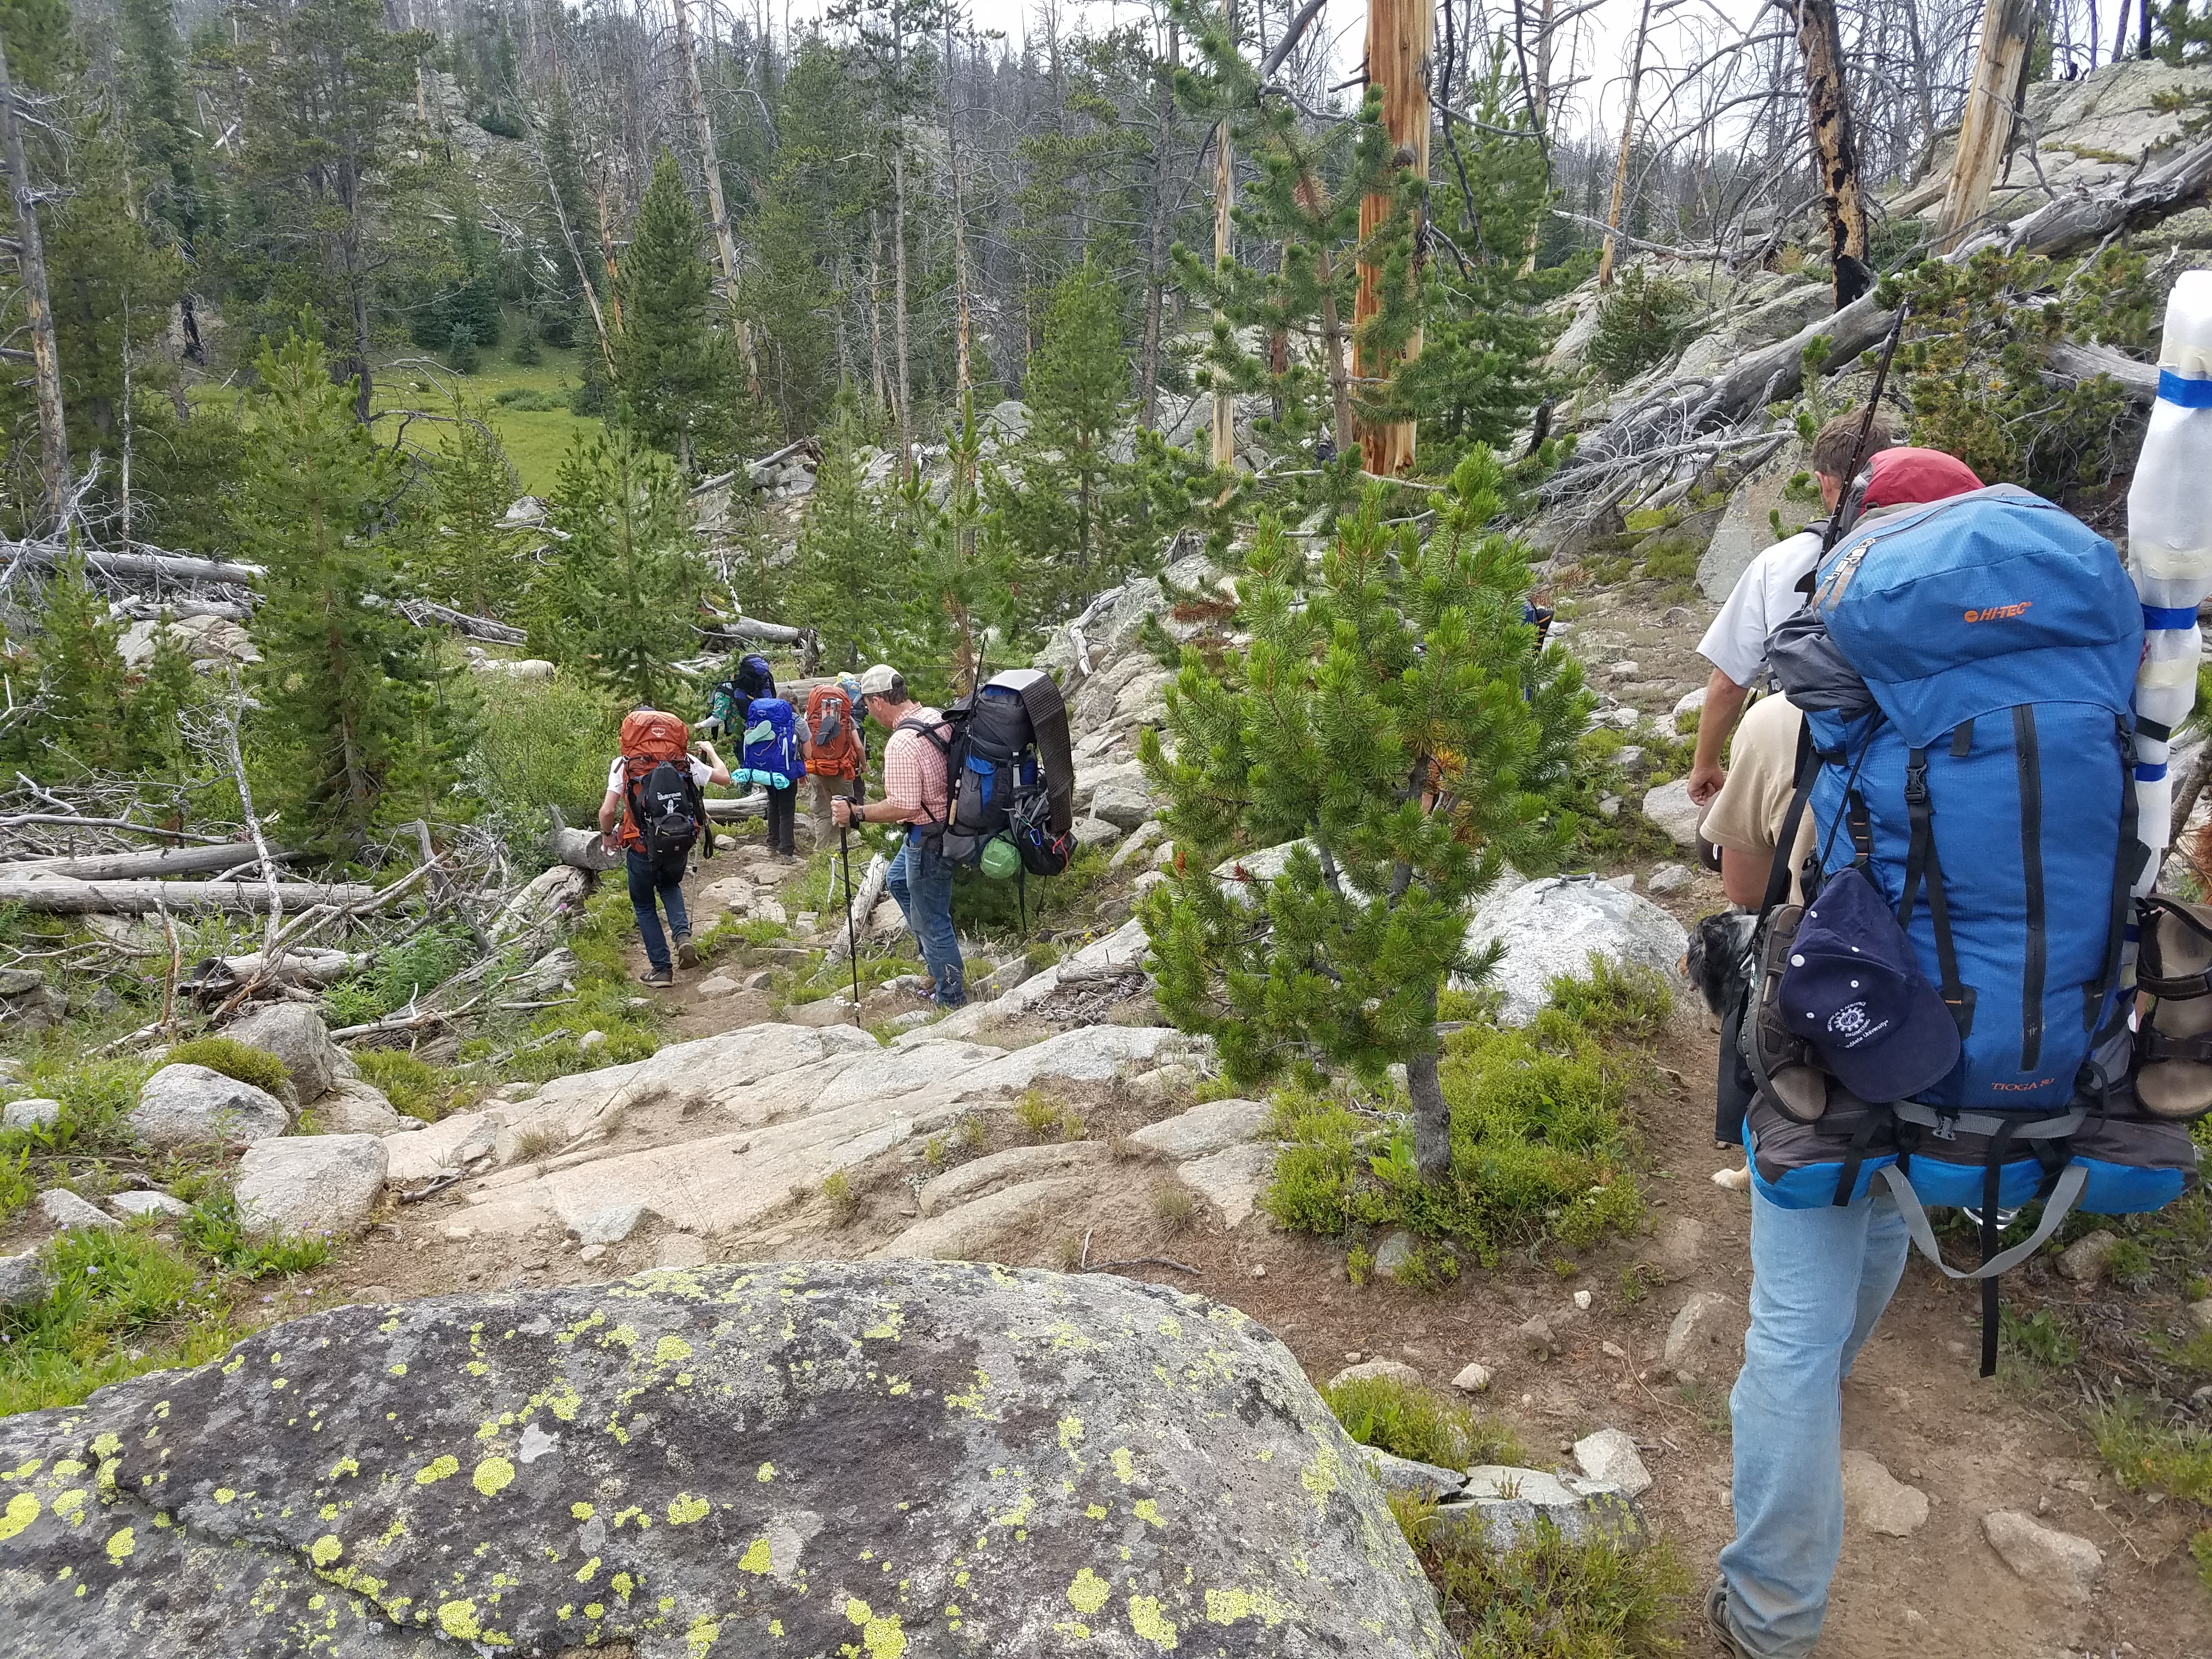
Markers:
point(683, 1508)
point(1146, 1620)
point(1088, 1593)
point(437, 1469)
point(22, 1509)
point(492, 1476)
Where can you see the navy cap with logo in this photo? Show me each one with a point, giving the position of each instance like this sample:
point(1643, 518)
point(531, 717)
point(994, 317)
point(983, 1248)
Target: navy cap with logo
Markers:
point(1854, 990)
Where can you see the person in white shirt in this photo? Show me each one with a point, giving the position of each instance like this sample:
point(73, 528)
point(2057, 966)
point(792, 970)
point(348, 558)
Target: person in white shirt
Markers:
point(645, 888)
point(1768, 592)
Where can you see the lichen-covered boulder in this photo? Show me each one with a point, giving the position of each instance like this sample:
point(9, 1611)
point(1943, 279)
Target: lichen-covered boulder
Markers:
point(187, 1105)
point(296, 1034)
point(875, 1458)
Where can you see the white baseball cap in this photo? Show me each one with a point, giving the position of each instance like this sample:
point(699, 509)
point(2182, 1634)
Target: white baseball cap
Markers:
point(878, 680)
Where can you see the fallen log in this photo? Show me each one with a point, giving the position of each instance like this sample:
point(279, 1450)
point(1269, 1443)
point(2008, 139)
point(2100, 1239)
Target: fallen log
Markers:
point(751, 628)
point(754, 805)
point(310, 967)
point(159, 610)
point(581, 849)
point(423, 613)
point(1777, 373)
point(70, 820)
point(176, 566)
point(135, 866)
point(2085, 363)
point(64, 896)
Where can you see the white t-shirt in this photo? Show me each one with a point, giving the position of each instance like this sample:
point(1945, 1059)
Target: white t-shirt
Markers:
point(701, 773)
point(1763, 596)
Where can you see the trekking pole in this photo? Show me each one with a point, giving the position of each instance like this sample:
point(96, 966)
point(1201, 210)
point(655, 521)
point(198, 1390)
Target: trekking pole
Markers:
point(852, 940)
point(1836, 526)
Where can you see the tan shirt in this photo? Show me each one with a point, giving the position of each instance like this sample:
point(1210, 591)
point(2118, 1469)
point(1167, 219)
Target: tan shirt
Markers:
point(1746, 815)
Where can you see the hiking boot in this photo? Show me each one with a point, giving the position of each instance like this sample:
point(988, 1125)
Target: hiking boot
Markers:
point(687, 953)
point(1716, 1620)
point(660, 978)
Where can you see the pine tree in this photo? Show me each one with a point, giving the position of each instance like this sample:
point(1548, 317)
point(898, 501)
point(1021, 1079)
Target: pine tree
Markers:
point(678, 378)
point(839, 579)
point(621, 599)
point(1077, 392)
point(84, 723)
point(1403, 728)
point(460, 553)
point(355, 720)
point(1306, 203)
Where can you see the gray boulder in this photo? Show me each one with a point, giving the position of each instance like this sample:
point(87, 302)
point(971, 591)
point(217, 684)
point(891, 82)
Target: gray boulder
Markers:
point(1123, 802)
point(1507, 1502)
point(23, 1281)
point(1554, 927)
point(691, 1460)
point(310, 1183)
point(1670, 807)
point(296, 1034)
point(191, 1106)
point(66, 1211)
point(355, 1108)
point(30, 1115)
point(147, 1201)
point(27, 1003)
point(1204, 1129)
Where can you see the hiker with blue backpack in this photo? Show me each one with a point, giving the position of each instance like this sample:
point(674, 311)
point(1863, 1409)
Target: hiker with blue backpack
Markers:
point(915, 795)
point(1936, 1017)
point(773, 758)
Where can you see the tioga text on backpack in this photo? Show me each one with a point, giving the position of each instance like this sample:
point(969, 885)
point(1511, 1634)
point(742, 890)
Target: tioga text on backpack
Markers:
point(664, 815)
point(1966, 671)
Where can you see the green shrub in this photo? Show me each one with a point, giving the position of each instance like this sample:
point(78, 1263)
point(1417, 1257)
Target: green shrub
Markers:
point(240, 1061)
point(1539, 1145)
point(18, 1185)
point(543, 744)
point(1641, 324)
point(399, 974)
point(2150, 1456)
point(214, 1228)
point(1547, 1596)
point(414, 1087)
point(1411, 1422)
point(124, 1302)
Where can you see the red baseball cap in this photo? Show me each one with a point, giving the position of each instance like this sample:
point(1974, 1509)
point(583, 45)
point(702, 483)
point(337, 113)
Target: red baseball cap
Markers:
point(1901, 478)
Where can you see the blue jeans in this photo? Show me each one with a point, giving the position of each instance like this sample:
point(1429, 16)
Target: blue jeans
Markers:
point(642, 889)
point(921, 882)
point(1819, 1280)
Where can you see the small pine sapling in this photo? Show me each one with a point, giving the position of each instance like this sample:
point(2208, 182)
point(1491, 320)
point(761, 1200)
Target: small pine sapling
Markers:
point(1397, 722)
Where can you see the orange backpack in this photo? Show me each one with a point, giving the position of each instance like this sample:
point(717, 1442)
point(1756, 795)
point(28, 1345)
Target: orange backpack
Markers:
point(840, 756)
point(648, 738)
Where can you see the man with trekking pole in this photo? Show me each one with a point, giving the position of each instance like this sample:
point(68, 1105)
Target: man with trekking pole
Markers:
point(915, 794)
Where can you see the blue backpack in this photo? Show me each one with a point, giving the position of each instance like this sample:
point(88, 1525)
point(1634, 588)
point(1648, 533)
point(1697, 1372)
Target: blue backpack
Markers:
point(1967, 673)
point(772, 757)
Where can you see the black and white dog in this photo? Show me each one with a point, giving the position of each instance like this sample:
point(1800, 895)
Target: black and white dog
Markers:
point(1718, 962)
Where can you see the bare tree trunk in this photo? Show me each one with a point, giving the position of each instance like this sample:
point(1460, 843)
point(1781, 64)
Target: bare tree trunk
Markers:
point(964, 382)
point(1539, 101)
point(1399, 37)
point(1627, 141)
point(2120, 31)
point(2007, 26)
point(575, 255)
point(1431, 1114)
point(882, 378)
point(1835, 149)
point(1332, 343)
point(1155, 264)
point(1224, 183)
point(1923, 94)
point(710, 164)
point(46, 358)
point(607, 253)
point(898, 309)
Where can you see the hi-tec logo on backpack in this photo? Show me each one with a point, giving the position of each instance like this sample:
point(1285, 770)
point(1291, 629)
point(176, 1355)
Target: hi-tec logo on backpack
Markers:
point(1999, 612)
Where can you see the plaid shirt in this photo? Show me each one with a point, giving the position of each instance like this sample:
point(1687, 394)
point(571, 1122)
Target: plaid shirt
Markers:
point(913, 771)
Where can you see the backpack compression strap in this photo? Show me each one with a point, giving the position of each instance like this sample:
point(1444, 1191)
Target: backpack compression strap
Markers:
point(1921, 863)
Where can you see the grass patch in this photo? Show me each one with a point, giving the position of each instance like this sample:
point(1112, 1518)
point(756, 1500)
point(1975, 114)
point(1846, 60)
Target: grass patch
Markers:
point(124, 1302)
point(1039, 1114)
point(239, 1062)
point(2037, 1337)
point(844, 1202)
point(1539, 1148)
point(1547, 1596)
point(215, 1228)
point(2149, 1454)
point(414, 1087)
point(1173, 1207)
point(1411, 1422)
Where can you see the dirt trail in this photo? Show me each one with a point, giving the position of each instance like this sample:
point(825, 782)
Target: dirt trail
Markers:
point(1915, 1404)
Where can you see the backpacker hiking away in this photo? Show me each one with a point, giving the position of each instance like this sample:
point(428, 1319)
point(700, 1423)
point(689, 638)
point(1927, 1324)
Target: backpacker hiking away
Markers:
point(653, 793)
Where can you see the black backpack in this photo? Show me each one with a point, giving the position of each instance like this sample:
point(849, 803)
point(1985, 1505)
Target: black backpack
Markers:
point(670, 815)
point(1010, 771)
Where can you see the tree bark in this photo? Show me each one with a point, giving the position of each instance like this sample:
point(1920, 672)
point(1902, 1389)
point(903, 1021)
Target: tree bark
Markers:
point(1432, 1112)
point(1156, 266)
point(45, 357)
point(61, 896)
point(1627, 142)
point(710, 164)
point(132, 867)
point(2007, 26)
point(1399, 37)
point(1224, 184)
point(1835, 148)
point(903, 364)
